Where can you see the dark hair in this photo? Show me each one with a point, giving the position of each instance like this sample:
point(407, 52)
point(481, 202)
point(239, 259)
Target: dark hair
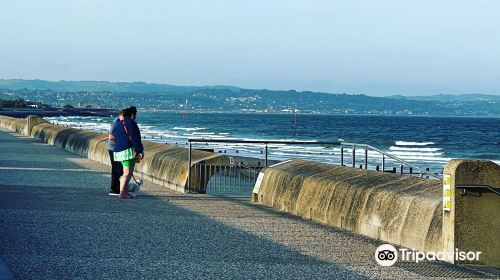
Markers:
point(127, 113)
point(133, 110)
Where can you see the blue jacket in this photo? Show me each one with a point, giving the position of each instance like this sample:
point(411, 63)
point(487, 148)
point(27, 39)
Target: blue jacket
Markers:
point(123, 140)
point(111, 143)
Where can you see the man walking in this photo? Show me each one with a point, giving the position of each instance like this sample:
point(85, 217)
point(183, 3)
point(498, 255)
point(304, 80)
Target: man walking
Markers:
point(116, 167)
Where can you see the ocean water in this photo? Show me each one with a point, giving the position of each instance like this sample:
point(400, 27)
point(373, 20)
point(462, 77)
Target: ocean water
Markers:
point(423, 141)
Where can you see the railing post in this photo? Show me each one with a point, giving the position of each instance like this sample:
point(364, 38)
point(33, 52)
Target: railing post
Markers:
point(341, 155)
point(383, 163)
point(189, 166)
point(366, 157)
point(265, 162)
point(401, 167)
point(354, 156)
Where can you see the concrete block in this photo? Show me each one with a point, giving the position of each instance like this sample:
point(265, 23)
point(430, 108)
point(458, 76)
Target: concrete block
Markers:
point(397, 209)
point(471, 214)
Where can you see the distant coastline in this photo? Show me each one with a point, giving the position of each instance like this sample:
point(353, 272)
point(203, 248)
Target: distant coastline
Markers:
point(228, 99)
point(81, 112)
point(312, 114)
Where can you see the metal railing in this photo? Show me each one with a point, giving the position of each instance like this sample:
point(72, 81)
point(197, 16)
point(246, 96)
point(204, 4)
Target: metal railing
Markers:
point(493, 189)
point(240, 177)
point(402, 162)
point(235, 177)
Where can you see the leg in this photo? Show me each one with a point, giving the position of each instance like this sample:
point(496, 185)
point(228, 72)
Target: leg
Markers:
point(128, 171)
point(115, 177)
point(116, 172)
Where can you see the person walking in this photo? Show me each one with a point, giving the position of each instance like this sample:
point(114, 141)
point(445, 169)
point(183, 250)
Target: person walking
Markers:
point(116, 167)
point(128, 147)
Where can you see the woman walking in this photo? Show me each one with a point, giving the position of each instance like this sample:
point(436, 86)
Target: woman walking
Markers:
point(128, 147)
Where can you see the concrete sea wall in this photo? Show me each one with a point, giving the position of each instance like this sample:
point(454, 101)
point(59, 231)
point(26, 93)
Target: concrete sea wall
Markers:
point(14, 124)
point(398, 209)
point(471, 221)
point(166, 165)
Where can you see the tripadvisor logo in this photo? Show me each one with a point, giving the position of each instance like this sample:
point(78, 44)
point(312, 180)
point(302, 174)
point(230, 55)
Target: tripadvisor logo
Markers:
point(387, 255)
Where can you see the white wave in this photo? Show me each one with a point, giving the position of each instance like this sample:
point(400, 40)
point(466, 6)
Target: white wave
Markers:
point(292, 148)
point(396, 148)
point(203, 133)
point(189, 128)
point(404, 143)
point(145, 126)
point(398, 154)
point(424, 158)
point(302, 155)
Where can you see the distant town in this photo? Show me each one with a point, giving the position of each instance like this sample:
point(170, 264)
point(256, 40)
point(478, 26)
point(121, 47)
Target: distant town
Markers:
point(79, 95)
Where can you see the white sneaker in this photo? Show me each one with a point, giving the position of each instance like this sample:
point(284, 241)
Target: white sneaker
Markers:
point(112, 193)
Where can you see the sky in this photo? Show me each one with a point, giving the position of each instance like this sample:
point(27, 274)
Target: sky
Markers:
point(369, 47)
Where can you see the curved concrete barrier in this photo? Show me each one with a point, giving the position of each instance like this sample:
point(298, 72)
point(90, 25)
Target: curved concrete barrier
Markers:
point(398, 209)
point(471, 219)
point(163, 164)
point(14, 124)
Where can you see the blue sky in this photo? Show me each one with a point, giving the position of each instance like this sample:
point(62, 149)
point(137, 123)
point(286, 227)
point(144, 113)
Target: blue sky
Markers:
point(371, 47)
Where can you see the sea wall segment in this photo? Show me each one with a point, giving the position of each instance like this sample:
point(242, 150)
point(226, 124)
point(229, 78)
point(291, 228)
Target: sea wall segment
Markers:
point(471, 222)
point(397, 209)
point(14, 124)
point(163, 164)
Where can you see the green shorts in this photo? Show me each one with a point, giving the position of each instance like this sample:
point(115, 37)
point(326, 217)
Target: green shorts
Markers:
point(126, 157)
point(129, 163)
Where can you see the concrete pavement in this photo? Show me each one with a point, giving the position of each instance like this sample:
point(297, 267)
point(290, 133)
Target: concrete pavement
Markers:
point(57, 221)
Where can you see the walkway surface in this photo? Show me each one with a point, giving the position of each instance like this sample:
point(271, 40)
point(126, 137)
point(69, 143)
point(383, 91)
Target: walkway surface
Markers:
point(57, 221)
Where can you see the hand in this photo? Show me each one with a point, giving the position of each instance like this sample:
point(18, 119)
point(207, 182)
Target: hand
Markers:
point(141, 155)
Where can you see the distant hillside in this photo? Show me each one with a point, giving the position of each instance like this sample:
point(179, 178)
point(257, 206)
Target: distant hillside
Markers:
point(450, 97)
point(137, 87)
point(233, 99)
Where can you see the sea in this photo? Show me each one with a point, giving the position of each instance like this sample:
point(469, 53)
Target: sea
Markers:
point(425, 142)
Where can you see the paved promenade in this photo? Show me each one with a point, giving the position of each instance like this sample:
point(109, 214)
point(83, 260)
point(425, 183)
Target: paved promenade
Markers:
point(57, 222)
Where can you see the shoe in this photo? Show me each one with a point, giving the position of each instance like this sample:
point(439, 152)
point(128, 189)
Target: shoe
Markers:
point(113, 193)
point(125, 196)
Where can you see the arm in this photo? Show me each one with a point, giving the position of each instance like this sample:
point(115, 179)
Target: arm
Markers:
point(111, 135)
point(135, 137)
